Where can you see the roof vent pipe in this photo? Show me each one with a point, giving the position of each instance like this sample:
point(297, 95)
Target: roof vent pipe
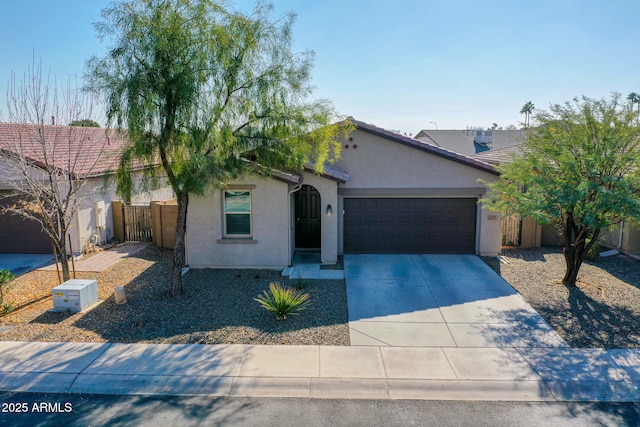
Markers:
point(53, 120)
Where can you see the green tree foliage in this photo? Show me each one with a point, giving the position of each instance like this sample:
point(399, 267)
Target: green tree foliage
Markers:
point(85, 123)
point(579, 172)
point(211, 94)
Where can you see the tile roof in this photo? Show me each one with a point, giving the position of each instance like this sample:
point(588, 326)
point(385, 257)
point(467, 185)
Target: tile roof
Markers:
point(329, 172)
point(84, 151)
point(426, 146)
point(461, 141)
point(500, 155)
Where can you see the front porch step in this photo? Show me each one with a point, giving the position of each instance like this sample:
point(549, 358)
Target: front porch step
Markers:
point(287, 271)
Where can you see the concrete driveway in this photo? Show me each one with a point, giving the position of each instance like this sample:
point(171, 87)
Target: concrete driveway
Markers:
point(23, 263)
point(438, 301)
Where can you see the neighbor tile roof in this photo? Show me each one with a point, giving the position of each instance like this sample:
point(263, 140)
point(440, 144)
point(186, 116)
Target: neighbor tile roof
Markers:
point(425, 146)
point(500, 155)
point(84, 151)
point(461, 141)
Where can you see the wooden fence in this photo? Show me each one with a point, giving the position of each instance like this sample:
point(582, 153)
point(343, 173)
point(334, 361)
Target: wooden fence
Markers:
point(137, 223)
point(511, 230)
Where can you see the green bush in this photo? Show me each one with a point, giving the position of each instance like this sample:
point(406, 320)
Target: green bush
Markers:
point(283, 301)
point(5, 278)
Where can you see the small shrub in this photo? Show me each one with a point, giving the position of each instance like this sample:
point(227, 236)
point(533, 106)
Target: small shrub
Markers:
point(5, 278)
point(283, 301)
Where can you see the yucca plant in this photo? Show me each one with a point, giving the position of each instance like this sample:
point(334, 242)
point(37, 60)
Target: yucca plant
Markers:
point(283, 301)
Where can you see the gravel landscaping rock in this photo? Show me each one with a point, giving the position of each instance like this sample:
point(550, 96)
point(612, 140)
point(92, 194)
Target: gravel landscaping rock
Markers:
point(602, 311)
point(216, 307)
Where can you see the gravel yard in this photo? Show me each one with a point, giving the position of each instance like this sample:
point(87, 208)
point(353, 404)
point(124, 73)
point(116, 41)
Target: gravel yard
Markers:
point(217, 307)
point(602, 311)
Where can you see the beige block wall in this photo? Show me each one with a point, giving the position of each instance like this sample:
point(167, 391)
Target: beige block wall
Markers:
point(164, 217)
point(630, 241)
point(488, 229)
point(270, 245)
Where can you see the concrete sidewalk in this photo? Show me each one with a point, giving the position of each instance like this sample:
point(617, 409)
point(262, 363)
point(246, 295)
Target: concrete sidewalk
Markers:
point(446, 373)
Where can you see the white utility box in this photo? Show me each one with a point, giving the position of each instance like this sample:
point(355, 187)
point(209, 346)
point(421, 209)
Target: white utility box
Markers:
point(75, 295)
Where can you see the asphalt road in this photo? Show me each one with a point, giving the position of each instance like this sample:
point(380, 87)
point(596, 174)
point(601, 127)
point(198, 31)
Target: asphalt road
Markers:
point(36, 409)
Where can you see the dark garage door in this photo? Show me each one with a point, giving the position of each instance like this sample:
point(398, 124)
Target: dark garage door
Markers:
point(19, 235)
point(409, 225)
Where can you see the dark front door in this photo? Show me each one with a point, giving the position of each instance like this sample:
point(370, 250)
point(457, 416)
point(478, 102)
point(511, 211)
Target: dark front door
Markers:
point(307, 217)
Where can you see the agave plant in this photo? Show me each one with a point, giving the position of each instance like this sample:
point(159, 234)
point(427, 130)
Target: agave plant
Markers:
point(283, 301)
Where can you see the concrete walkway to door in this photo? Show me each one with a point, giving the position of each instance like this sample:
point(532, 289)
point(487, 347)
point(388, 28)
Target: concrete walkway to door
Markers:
point(438, 301)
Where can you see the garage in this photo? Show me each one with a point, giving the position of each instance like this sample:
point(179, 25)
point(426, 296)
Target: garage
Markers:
point(18, 235)
point(410, 225)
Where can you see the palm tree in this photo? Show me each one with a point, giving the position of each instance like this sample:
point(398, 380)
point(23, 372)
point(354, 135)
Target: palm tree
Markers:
point(634, 98)
point(527, 110)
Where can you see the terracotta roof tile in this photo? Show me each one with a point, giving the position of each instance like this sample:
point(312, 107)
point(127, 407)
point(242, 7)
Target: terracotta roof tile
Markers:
point(84, 151)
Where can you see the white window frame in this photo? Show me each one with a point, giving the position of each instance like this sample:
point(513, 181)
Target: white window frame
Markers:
point(224, 214)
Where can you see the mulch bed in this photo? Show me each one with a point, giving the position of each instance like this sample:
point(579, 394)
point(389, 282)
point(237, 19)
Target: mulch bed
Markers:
point(216, 307)
point(602, 311)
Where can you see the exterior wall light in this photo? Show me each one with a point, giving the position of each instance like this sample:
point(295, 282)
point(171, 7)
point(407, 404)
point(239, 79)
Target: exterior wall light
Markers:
point(329, 210)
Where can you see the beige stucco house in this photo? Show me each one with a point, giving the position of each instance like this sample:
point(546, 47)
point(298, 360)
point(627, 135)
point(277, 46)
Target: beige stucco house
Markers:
point(386, 194)
point(92, 156)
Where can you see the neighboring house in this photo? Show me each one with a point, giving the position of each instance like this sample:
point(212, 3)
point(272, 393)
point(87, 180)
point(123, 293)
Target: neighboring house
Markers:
point(95, 154)
point(516, 231)
point(470, 142)
point(386, 194)
point(626, 237)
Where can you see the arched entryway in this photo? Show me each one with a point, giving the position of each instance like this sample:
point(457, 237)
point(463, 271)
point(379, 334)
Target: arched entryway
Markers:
point(308, 218)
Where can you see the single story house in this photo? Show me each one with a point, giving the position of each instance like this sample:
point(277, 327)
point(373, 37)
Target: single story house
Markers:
point(92, 155)
point(387, 193)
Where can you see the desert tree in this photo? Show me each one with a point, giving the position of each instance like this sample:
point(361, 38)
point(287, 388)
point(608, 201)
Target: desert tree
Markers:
point(45, 165)
point(579, 172)
point(211, 94)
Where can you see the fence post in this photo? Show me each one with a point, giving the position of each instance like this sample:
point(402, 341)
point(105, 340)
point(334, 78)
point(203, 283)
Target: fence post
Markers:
point(118, 219)
point(156, 223)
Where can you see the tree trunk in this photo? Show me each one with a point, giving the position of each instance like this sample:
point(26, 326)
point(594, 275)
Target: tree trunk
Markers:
point(179, 251)
point(64, 260)
point(573, 261)
point(575, 249)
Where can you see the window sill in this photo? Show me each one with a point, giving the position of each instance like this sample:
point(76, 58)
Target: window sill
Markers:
point(234, 241)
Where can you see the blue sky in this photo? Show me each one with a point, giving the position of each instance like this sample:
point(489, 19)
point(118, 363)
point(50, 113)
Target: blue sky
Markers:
point(399, 64)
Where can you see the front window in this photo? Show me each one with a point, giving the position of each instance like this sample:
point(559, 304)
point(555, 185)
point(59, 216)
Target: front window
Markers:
point(237, 213)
